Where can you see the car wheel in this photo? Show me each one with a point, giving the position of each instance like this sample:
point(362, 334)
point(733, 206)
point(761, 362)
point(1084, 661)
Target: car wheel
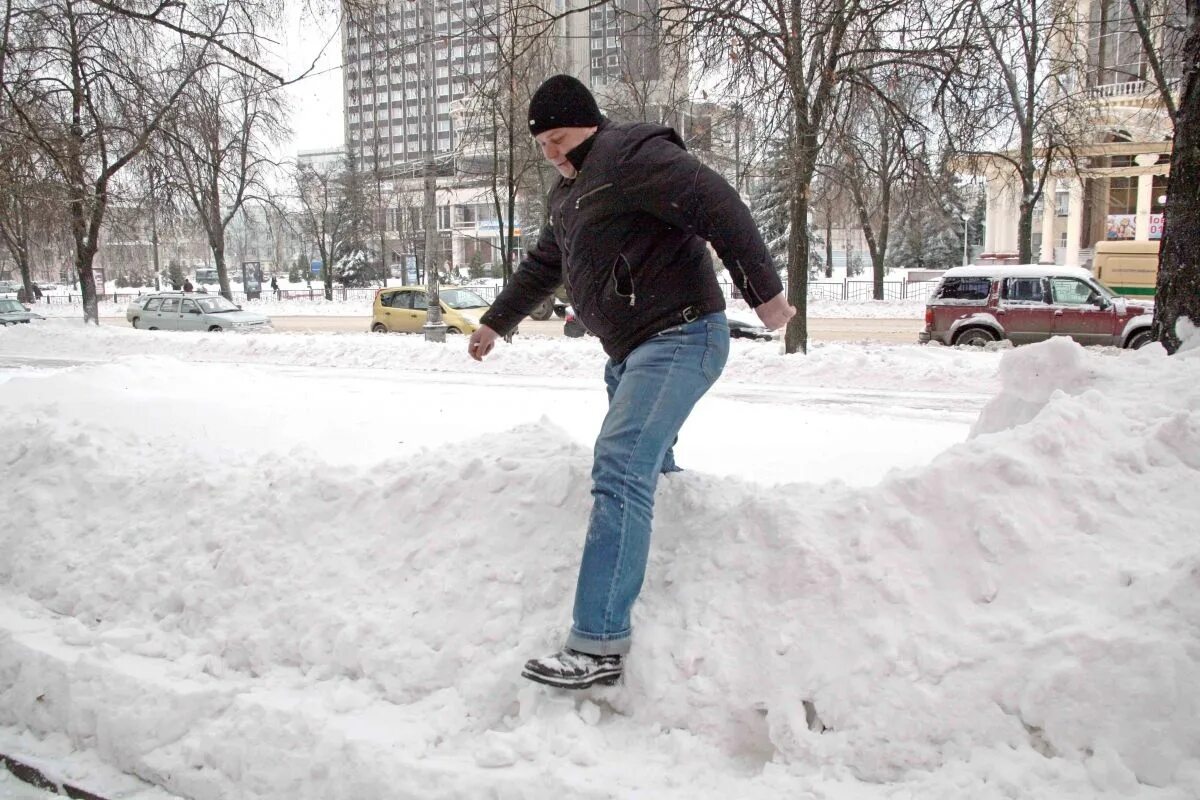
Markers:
point(1139, 340)
point(135, 321)
point(215, 329)
point(975, 337)
point(452, 329)
point(379, 327)
point(543, 310)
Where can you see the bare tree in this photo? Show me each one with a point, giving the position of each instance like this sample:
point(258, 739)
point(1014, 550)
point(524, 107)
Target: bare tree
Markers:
point(495, 149)
point(872, 151)
point(30, 207)
point(791, 58)
point(1012, 102)
point(323, 218)
point(219, 136)
point(89, 83)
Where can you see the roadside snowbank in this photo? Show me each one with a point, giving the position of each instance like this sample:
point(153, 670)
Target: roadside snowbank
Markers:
point(827, 364)
point(1020, 618)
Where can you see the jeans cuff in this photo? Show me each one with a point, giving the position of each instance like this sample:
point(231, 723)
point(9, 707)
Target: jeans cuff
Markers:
point(611, 645)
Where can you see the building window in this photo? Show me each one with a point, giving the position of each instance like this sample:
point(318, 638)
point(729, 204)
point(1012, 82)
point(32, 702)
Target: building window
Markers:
point(1062, 202)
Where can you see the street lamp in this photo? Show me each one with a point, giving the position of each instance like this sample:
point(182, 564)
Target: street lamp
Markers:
point(966, 218)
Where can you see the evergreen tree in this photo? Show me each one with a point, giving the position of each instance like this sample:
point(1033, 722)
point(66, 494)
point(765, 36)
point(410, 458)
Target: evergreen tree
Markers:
point(769, 198)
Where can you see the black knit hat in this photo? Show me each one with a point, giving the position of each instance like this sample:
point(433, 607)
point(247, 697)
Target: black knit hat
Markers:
point(562, 102)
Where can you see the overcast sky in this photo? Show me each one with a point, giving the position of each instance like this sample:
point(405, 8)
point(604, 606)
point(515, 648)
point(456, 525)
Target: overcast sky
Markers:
point(316, 101)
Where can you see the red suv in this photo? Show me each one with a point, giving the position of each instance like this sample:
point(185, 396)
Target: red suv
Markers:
point(977, 305)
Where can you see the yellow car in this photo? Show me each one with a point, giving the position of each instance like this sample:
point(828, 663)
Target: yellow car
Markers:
point(402, 310)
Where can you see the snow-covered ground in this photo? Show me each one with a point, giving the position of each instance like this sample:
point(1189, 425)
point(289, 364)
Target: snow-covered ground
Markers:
point(311, 565)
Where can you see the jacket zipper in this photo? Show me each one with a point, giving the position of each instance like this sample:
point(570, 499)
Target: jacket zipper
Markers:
point(586, 195)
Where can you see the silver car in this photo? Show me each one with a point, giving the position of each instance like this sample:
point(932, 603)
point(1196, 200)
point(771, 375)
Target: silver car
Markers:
point(180, 311)
point(12, 312)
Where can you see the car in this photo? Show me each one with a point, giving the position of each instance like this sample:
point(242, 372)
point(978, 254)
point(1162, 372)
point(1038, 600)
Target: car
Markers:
point(9, 287)
point(187, 311)
point(978, 305)
point(740, 328)
point(402, 309)
point(13, 313)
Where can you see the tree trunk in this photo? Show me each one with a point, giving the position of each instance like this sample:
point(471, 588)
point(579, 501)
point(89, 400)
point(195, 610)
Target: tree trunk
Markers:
point(795, 337)
point(1178, 291)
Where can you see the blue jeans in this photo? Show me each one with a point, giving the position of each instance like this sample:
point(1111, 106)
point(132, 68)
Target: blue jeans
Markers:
point(651, 393)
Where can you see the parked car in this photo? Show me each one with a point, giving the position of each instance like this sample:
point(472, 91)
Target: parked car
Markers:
point(186, 311)
point(740, 328)
point(13, 313)
point(1023, 304)
point(403, 309)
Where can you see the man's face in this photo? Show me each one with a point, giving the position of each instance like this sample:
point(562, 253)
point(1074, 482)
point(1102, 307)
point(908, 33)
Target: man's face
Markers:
point(557, 142)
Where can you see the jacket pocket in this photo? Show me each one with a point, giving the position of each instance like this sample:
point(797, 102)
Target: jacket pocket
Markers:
point(622, 280)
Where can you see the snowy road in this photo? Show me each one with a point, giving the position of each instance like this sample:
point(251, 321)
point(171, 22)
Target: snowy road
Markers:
point(360, 416)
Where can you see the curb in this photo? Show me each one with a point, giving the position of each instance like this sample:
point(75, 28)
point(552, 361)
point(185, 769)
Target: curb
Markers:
point(36, 778)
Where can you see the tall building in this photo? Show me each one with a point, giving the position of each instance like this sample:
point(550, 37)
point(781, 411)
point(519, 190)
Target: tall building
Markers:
point(402, 107)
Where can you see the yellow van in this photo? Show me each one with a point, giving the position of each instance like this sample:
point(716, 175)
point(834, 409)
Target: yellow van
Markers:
point(1128, 268)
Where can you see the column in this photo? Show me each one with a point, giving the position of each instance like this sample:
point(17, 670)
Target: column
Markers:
point(1145, 197)
point(1049, 213)
point(1074, 221)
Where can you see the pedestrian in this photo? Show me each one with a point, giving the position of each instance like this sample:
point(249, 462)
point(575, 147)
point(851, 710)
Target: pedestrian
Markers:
point(187, 285)
point(275, 287)
point(630, 219)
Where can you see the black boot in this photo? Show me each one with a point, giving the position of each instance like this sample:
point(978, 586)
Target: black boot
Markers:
point(571, 669)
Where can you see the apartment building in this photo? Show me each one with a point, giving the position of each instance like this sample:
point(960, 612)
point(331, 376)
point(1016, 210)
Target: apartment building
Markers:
point(1114, 189)
point(415, 70)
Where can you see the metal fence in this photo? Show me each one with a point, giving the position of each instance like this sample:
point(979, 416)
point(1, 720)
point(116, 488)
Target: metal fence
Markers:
point(855, 291)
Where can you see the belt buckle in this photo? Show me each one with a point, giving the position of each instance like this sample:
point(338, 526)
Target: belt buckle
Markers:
point(690, 314)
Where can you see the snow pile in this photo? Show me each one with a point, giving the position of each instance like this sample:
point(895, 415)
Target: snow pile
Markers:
point(1020, 618)
point(760, 363)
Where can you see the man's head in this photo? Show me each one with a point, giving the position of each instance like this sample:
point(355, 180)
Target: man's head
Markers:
point(562, 114)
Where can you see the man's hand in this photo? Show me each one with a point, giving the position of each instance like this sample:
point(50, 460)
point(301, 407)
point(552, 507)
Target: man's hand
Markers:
point(776, 312)
point(482, 342)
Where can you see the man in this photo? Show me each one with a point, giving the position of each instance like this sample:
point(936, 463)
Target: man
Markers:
point(627, 231)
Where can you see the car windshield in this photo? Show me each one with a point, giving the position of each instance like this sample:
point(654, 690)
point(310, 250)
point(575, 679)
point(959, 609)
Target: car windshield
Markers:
point(215, 305)
point(462, 298)
point(10, 305)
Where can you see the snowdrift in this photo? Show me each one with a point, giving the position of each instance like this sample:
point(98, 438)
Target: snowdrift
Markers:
point(1021, 618)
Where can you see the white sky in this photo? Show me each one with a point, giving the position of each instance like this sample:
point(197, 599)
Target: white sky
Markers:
point(317, 109)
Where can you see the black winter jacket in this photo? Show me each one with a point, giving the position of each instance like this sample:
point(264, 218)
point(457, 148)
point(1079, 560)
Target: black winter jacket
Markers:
point(627, 238)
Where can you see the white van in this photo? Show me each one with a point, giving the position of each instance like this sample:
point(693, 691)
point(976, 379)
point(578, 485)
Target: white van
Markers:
point(1128, 268)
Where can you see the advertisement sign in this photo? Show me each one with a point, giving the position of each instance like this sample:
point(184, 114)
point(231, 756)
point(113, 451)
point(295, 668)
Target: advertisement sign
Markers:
point(1121, 226)
point(1156, 226)
point(316, 265)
